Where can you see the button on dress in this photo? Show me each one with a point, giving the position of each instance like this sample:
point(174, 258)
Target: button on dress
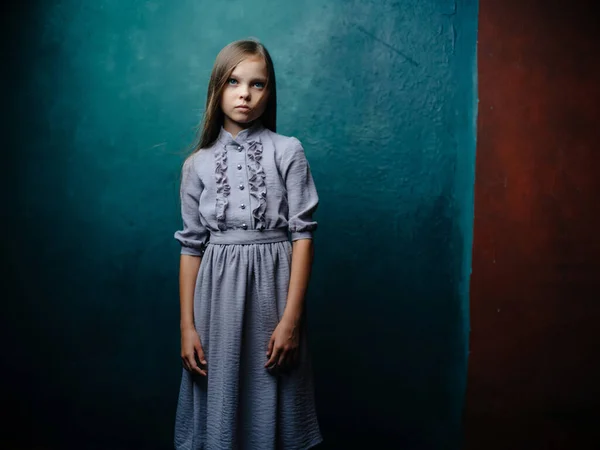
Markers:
point(242, 201)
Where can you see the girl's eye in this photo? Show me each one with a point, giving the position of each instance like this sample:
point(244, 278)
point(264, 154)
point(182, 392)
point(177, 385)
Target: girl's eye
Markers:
point(259, 84)
point(232, 81)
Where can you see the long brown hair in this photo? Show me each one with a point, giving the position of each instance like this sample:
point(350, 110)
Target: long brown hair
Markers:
point(227, 59)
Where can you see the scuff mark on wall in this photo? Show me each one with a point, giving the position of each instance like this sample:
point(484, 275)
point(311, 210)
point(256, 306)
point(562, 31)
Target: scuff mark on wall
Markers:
point(394, 49)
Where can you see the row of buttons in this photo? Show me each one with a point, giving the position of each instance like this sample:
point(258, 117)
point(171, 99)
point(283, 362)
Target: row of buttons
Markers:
point(241, 186)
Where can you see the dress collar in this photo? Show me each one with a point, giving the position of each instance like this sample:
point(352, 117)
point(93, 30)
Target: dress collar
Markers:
point(247, 135)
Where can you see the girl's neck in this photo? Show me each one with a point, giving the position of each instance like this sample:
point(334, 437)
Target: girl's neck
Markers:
point(234, 128)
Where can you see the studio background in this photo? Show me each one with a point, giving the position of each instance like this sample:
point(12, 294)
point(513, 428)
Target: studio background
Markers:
point(103, 98)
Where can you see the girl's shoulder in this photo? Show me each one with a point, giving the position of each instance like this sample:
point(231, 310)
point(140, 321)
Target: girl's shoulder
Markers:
point(199, 162)
point(283, 144)
point(280, 140)
point(204, 154)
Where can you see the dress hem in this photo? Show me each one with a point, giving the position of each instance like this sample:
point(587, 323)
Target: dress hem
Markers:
point(314, 443)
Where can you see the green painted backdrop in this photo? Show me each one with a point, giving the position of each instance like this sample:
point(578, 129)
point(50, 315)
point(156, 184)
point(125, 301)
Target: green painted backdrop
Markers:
point(103, 98)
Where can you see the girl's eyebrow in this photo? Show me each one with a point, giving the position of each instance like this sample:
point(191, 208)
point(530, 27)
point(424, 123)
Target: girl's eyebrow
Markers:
point(263, 79)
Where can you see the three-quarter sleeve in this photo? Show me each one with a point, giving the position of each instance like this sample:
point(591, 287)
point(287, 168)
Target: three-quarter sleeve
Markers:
point(193, 236)
point(301, 192)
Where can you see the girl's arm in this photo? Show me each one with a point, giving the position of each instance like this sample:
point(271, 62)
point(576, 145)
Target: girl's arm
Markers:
point(188, 272)
point(284, 342)
point(302, 258)
point(192, 352)
point(302, 201)
point(192, 237)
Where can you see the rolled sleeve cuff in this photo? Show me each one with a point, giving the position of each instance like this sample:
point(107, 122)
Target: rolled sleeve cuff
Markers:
point(191, 251)
point(296, 235)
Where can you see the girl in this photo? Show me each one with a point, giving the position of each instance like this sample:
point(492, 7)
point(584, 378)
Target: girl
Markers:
point(246, 191)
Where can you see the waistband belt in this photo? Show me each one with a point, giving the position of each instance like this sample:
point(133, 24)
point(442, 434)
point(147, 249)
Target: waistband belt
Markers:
point(248, 236)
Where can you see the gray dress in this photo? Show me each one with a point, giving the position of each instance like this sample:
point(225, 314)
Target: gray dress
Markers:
point(242, 200)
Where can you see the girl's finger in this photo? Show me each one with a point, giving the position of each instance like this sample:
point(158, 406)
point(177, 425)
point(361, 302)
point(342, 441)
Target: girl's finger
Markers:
point(282, 358)
point(200, 354)
point(270, 347)
point(273, 359)
point(200, 363)
point(194, 367)
point(190, 363)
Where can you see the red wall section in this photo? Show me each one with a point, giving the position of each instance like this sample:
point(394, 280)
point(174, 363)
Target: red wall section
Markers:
point(534, 374)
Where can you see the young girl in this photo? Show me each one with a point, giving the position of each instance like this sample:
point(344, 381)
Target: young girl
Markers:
point(246, 192)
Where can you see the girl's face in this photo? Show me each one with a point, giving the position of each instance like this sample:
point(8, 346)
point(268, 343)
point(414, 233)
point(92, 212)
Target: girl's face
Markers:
point(245, 95)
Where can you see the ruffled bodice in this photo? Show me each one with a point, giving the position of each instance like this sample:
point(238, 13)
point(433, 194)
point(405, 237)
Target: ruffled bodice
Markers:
point(259, 180)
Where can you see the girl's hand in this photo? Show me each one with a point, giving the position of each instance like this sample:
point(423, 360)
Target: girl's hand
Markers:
point(192, 354)
point(283, 346)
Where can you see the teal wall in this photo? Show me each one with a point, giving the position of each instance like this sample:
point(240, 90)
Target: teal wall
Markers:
point(103, 100)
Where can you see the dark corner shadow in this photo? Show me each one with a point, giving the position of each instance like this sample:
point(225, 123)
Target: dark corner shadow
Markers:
point(388, 336)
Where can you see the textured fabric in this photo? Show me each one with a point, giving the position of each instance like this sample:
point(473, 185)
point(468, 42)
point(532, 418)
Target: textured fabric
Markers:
point(239, 200)
point(259, 180)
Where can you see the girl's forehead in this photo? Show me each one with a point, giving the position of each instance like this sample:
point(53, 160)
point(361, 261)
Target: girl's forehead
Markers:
point(252, 65)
